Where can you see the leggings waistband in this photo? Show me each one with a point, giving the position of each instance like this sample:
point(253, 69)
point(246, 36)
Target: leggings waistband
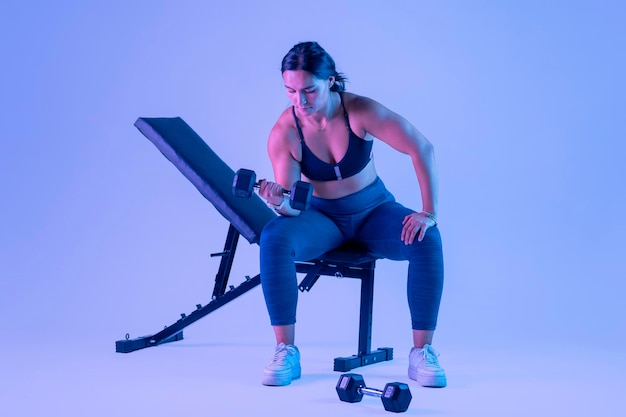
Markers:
point(362, 201)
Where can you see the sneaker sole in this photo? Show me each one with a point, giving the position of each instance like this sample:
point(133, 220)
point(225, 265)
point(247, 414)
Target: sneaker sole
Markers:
point(429, 381)
point(274, 380)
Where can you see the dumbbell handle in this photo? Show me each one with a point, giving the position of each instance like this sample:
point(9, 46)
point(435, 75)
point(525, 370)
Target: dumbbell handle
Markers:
point(287, 192)
point(371, 391)
point(244, 182)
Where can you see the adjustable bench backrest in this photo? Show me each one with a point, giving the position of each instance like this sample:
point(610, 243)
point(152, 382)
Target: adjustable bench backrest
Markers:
point(179, 143)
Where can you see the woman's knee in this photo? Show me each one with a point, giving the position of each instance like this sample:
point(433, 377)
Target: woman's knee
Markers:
point(277, 230)
point(431, 243)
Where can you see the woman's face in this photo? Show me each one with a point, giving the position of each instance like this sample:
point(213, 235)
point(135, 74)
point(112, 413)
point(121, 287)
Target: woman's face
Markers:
point(307, 93)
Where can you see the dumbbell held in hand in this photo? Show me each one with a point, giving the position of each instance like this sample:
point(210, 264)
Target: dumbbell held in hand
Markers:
point(244, 183)
point(395, 397)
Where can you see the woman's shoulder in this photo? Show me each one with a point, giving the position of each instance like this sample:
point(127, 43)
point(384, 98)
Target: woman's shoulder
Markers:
point(284, 119)
point(363, 112)
point(284, 129)
point(356, 103)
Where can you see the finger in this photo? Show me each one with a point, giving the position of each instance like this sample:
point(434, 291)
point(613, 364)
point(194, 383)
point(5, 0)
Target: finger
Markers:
point(406, 234)
point(267, 189)
point(422, 233)
point(262, 187)
point(414, 233)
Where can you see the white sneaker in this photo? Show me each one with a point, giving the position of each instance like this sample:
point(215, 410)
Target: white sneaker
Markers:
point(284, 367)
point(425, 369)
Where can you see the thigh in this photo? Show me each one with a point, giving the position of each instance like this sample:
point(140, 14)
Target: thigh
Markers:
point(308, 235)
point(381, 231)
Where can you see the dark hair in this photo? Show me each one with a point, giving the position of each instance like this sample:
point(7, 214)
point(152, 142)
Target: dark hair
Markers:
point(312, 58)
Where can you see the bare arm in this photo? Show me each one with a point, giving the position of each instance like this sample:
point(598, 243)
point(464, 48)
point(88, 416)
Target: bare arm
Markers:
point(401, 135)
point(286, 169)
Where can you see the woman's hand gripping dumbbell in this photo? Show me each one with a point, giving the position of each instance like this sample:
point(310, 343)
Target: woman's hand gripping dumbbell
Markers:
point(299, 196)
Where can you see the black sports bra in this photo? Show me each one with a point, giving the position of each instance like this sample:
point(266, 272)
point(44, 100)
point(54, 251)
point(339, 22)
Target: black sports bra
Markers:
point(357, 156)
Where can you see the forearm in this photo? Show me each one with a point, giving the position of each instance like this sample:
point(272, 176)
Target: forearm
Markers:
point(426, 171)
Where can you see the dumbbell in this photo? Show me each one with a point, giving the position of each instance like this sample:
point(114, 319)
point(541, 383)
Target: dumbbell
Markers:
point(244, 183)
point(396, 396)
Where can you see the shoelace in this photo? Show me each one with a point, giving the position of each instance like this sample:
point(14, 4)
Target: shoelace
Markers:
point(280, 355)
point(430, 356)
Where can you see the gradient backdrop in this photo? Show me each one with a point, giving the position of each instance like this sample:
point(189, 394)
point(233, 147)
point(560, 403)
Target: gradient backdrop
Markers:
point(100, 235)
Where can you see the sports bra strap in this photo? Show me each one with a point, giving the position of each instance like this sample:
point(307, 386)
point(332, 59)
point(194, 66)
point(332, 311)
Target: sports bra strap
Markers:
point(293, 110)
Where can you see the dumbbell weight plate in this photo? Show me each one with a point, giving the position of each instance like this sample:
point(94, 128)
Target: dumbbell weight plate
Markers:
point(243, 183)
point(396, 397)
point(300, 195)
point(348, 388)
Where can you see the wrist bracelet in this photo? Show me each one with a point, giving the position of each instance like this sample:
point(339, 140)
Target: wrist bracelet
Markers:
point(430, 216)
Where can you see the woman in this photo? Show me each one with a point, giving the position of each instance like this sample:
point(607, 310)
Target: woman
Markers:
point(326, 137)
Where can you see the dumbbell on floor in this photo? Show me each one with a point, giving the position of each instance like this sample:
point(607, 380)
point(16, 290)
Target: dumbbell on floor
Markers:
point(244, 183)
point(396, 396)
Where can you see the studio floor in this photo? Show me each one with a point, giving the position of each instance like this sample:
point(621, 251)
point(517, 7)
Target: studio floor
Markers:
point(197, 377)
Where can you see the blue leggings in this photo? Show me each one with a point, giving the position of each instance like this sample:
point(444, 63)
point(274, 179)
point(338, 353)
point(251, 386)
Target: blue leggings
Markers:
point(371, 217)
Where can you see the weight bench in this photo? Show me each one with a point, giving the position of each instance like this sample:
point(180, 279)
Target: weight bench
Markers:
point(247, 217)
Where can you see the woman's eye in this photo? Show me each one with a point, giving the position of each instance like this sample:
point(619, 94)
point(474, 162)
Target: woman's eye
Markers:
point(305, 91)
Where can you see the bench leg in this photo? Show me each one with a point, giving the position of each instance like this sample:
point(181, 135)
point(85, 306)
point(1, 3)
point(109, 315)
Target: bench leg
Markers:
point(365, 356)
